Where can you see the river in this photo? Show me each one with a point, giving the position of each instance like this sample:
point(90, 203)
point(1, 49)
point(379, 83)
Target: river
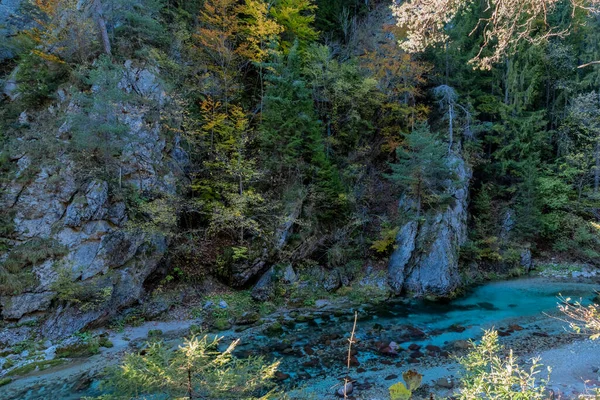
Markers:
point(312, 344)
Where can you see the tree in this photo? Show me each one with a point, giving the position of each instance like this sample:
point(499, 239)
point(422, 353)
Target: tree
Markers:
point(260, 34)
point(448, 101)
point(399, 77)
point(215, 42)
point(227, 169)
point(137, 26)
point(98, 132)
point(292, 137)
point(345, 100)
point(585, 113)
point(98, 11)
point(504, 25)
point(258, 29)
point(423, 169)
point(289, 119)
point(296, 17)
point(196, 370)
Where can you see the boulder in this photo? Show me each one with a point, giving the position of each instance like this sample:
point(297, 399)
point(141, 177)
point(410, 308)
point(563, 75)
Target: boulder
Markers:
point(264, 288)
point(345, 390)
point(526, 260)
point(426, 257)
point(289, 275)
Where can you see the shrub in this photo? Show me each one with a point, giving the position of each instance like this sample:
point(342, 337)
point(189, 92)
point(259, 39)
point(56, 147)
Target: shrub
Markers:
point(16, 271)
point(195, 370)
point(490, 376)
point(89, 295)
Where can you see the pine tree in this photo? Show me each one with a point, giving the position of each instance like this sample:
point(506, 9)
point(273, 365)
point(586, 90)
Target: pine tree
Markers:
point(196, 370)
point(423, 170)
point(297, 18)
point(289, 120)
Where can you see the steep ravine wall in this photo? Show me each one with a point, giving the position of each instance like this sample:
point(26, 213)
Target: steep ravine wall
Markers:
point(51, 206)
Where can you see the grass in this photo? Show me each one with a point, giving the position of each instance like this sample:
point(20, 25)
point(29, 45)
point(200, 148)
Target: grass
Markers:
point(37, 365)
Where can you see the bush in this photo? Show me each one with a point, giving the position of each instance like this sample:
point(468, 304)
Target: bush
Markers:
point(16, 271)
point(490, 376)
point(39, 78)
point(195, 370)
point(89, 295)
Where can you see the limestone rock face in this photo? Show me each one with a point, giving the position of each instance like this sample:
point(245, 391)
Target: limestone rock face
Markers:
point(49, 202)
point(9, 10)
point(426, 258)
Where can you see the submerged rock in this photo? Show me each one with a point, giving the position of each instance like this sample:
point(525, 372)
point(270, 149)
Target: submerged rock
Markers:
point(345, 390)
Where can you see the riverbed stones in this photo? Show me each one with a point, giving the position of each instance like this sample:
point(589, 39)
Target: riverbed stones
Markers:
point(462, 345)
point(444, 383)
point(345, 390)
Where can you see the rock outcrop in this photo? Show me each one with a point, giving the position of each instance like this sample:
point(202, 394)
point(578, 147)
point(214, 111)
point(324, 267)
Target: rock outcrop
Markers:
point(50, 206)
point(426, 257)
point(8, 24)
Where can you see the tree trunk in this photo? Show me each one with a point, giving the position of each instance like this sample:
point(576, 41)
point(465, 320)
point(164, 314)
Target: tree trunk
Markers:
point(102, 26)
point(597, 170)
point(190, 388)
point(451, 125)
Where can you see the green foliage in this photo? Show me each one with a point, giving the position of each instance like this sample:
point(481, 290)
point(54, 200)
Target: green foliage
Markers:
point(39, 79)
point(387, 240)
point(296, 17)
point(33, 366)
point(489, 375)
point(86, 346)
point(98, 133)
point(138, 26)
point(423, 169)
point(15, 271)
point(291, 136)
point(194, 370)
point(289, 118)
point(88, 295)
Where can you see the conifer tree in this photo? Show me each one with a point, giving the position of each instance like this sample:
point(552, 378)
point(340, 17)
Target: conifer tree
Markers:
point(423, 169)
point(289, 120)
point(196, 370)
point(297, 18)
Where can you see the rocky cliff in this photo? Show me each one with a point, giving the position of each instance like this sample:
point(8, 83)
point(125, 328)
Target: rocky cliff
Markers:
point(71, 258)
point(425, 260)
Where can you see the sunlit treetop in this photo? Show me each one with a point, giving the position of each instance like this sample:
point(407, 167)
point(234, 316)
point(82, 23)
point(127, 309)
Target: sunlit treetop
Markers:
point(505, 24)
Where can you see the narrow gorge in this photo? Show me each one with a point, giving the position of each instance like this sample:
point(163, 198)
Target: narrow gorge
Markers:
point(286, 174)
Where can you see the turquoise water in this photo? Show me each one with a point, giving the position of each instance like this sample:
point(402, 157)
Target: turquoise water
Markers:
point(498, 305)
point(312, 352)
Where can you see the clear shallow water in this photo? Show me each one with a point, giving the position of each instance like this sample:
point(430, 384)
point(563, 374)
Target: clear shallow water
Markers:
point(496, 304)
point(314, 351)
point(485, 306)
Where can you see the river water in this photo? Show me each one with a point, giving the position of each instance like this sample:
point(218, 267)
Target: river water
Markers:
point(312, 347)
